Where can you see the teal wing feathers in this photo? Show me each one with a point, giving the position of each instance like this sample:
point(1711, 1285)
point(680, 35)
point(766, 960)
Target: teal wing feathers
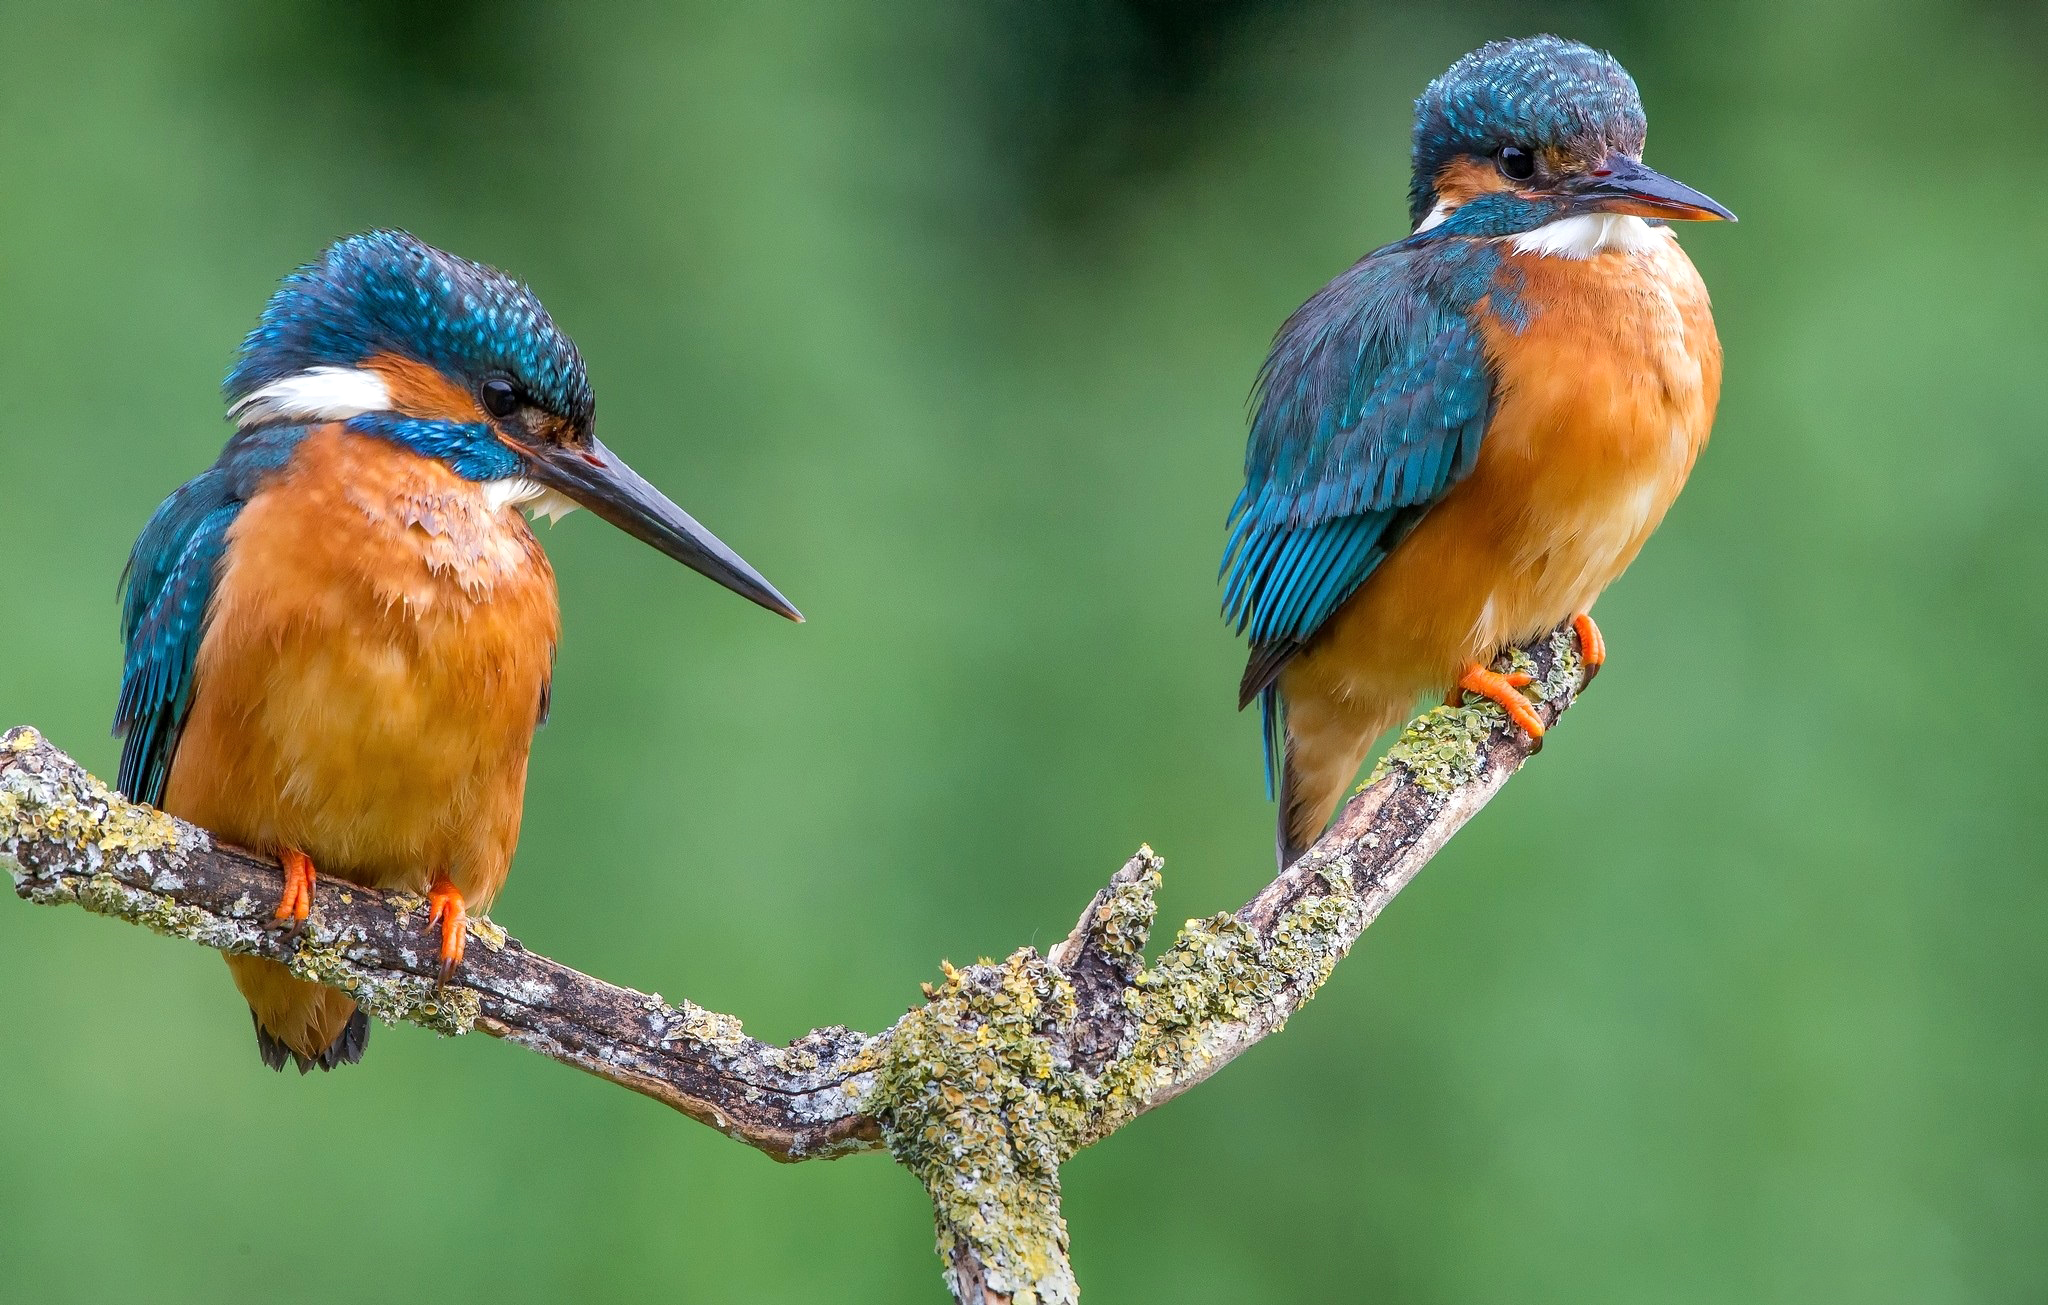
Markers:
point(165, 593)
point(1371, 404)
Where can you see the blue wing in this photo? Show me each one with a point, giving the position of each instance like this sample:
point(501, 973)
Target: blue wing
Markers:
point(1371, 404)
point(165, 592)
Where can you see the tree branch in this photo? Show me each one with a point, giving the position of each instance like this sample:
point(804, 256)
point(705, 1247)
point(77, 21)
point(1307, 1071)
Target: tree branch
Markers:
point(983, 1092)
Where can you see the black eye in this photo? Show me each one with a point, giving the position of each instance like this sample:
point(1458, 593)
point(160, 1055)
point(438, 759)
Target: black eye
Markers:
point(1514, 162)
point(500, 399)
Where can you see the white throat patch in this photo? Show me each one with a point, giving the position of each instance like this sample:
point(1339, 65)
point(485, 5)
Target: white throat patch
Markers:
point(532, 497)
point(316, 394)
point(1586, 235)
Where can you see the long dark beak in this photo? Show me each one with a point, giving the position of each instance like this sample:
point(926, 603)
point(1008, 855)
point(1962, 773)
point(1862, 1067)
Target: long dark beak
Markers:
point(1622, 185)
point(596, 478)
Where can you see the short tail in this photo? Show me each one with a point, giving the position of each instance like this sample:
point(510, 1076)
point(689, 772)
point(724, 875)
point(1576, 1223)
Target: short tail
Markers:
point(1287, 847)
point(346, 1049)
point(298, 1020)
point(1313, 752)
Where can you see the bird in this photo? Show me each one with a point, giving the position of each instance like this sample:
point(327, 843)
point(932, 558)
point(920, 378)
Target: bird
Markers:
point(339, 638)
point(1463, 439)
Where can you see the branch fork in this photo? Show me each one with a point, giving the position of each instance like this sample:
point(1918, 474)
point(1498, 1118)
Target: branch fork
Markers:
point(983, 1092)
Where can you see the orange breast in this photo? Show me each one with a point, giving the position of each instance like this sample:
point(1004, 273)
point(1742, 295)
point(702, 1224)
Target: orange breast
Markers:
point(375, 658)
point(1606, 397)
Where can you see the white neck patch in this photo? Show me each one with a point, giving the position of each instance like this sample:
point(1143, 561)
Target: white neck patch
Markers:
point(534, 498)
point(1586, 235)
point(1444, 208)
point(338, 393)
point(316, 394)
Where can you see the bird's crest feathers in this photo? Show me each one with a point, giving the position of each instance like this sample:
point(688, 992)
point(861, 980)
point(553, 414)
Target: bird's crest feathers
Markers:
point(1541, 92)
point(388, 293)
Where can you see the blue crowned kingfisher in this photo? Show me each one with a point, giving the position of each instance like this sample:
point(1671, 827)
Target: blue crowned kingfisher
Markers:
point(340, 636)
point(1465, 438)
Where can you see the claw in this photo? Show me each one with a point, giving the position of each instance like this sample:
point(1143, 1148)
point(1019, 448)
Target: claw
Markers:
point(295, 903)
point(449, 912)
point(1592, 648)
point(1504, 690)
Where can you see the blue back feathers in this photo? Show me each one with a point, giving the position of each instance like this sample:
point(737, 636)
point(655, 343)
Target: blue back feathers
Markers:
point(1371, 403)
point(1540, 93)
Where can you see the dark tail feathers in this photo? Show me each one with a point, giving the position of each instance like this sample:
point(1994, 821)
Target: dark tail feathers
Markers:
point(1286, 847)
point(347, 1048)
point(1279, 775)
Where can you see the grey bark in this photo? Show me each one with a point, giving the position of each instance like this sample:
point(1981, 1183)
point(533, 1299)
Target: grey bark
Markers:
point(982, 1092)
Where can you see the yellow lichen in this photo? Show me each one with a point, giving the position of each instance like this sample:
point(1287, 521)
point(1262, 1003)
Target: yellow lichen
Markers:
point(403, 904)
point(972, 1102)
point(1123, 922)
point(106, 895)
point(81, 815)
point(975, 1102)
point(1442, 748)
point(393, 998)
point(82, 827)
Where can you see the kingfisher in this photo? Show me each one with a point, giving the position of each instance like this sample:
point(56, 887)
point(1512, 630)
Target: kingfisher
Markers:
point(340, 636)
point(1462, 440)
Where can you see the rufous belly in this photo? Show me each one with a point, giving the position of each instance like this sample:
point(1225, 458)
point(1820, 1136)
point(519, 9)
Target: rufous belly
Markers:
point(375, 659)
point(1606, 396)
point(377, 650)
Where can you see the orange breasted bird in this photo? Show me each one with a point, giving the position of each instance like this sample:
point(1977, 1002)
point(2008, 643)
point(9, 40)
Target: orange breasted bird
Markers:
point(340, 636)
point(1466, 437)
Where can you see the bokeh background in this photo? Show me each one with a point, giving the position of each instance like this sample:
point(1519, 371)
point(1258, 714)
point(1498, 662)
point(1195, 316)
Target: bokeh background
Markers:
point(945, 315)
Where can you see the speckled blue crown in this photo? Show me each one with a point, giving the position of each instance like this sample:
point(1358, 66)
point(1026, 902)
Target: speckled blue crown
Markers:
point(1542, 91)
point(388, 292)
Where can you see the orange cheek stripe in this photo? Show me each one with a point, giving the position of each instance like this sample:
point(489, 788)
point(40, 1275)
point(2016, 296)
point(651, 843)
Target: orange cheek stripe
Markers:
point(1461, 180)
point(418, 390)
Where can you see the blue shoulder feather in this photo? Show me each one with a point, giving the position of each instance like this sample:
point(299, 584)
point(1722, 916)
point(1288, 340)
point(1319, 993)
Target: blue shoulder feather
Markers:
point(1371, 404)
point(165, 592)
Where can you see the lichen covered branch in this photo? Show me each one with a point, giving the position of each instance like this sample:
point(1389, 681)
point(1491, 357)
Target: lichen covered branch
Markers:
point(66, 838)
point(983, 1091)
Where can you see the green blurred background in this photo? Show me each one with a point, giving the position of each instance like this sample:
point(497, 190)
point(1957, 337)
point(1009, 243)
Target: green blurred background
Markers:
point(944, 314)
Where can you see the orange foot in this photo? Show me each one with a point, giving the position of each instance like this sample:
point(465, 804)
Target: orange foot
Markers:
point(453, 917)
point(1592, 648)
point(295, 904)
point(1504, 689)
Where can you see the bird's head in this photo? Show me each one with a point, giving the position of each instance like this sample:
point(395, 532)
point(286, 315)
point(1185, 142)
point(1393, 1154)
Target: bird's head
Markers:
point(460, 363)
point(1518, 135)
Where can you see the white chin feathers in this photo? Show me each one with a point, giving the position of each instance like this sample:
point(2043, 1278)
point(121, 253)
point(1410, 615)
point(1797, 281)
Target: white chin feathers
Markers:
point(316, 394)
point(531, 497)
point(1573, 237)
point(1586, 235)
point(339, 393)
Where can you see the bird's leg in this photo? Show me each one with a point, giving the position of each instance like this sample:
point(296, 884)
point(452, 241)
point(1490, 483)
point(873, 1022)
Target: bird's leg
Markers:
point(1503, 689)
point(452, 915)
point(1592, 648)
point(295, 904)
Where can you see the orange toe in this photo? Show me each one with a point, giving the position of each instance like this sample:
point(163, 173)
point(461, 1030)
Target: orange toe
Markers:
point(1504, 690)
point(448, 911)
point(1592, 648)
point(295, 904)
